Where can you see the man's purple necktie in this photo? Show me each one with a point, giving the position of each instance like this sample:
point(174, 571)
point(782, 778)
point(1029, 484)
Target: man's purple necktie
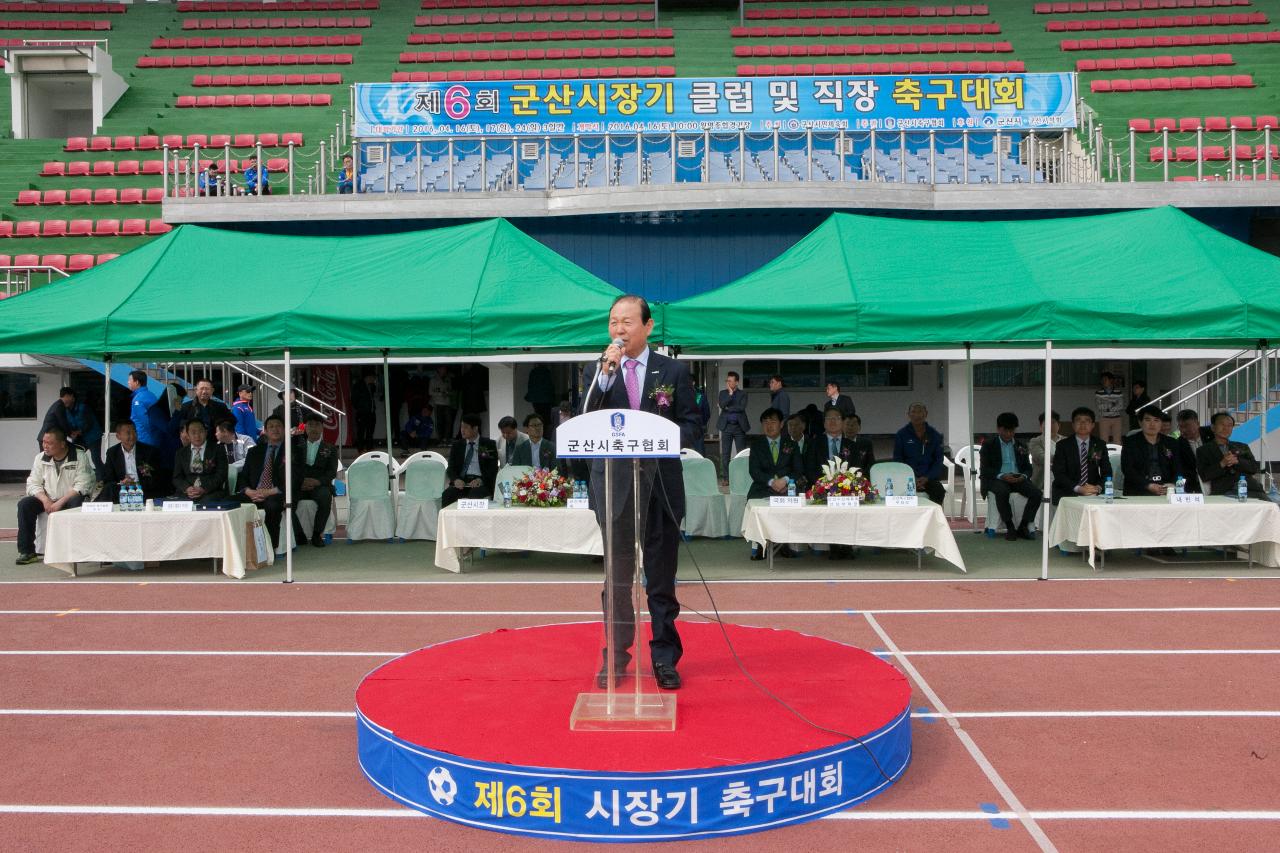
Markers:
point(633, 382)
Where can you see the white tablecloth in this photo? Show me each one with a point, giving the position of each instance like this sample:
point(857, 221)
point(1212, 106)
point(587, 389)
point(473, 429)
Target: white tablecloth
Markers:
point(1152, 522)
point(556, 529)
point(90, 537)
point(873, 525)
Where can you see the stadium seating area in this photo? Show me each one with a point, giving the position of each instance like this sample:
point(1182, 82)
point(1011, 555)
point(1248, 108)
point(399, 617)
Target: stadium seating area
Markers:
point(225, 73)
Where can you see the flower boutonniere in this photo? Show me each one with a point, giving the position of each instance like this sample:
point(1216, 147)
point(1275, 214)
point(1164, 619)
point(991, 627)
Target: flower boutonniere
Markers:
point(1096, 455)
point(145, 470)
point(663, 395)
point(210, 464)
point(1168, 454)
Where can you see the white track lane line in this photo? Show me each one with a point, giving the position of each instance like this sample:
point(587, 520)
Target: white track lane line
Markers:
point(229, 584)
point(392, 654)
point(995, 611)
point(861, 814)
point(993, 776)
point(918, 715)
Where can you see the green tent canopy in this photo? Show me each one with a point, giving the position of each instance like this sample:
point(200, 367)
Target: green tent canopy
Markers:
point(1153, 277)
point(480, 288)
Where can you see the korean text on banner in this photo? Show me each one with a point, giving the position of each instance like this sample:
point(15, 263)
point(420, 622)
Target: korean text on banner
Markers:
point(693, 105)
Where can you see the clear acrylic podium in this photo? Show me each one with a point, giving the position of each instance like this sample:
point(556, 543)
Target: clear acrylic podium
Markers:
point(623, 446)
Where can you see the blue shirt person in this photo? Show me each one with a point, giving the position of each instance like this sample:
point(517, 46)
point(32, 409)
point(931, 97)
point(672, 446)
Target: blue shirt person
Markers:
point(255, 175)
point(346, 177)
point(919, 445)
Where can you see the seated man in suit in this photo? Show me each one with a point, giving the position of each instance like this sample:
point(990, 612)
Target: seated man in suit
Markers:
point(1081, 464)
point(1150, 460)
point(511, 438)
point(774, 459)
point(473, 464)
point(262, 478)
point(797, 430)
point(1191, 437)
point(830, 445)
point(315, 464)
point(1222, 462)
point(537, 451)
point(131, 464)
point(920, 445)
point(864, 455)
point(1005, 469)
point(233, 445)
point(1036, 447)
point(200, 469)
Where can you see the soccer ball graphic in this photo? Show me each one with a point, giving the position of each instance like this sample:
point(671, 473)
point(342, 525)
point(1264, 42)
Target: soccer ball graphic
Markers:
point(441, 785)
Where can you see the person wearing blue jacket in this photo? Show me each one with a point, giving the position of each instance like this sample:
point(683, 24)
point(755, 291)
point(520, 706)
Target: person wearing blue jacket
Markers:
point(919, 445)
point(242, 409)
point(255, 174)
point(141, 411)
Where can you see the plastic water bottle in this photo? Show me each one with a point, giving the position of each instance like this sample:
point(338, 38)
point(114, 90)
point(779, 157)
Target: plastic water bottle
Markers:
point(135, 498)
point(1109, 491)
point(888, 487)
point(1242, 489)
point(911, 487)
point(1180, 486)
point(126, 499)
point(791, 488)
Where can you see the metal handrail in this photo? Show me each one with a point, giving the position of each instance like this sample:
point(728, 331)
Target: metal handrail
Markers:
point(1250, 363)
point(306, 400)
point(1196, 378)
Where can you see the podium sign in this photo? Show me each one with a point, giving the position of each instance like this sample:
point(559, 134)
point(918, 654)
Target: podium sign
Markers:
point(628, 444)
point(618, 434)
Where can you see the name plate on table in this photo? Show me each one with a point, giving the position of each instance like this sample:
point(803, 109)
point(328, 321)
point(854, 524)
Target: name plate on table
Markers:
point(472, 503)
point(902, 500)
point(578, 503)
point(786, 500)
point(97, 506)
point(1191, 498)
point(843, 501)
point(178, 506)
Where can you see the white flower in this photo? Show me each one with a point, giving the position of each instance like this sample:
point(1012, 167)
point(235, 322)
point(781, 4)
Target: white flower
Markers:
point(834, 468)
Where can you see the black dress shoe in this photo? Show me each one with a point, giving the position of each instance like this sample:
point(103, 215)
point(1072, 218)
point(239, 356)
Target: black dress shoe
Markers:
point(668, 678)
point(1010, 535)
point(318, 540)
point(1024, 533)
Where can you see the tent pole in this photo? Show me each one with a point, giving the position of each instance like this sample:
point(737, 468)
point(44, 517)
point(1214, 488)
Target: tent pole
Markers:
point(970, 478)
point(287, 522)
point(1046, 505)
point(106, 407)
point(1266, 415)
point(392, 479)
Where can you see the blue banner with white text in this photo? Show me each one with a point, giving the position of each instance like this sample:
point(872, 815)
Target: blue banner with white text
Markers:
point(619, 806)
point(694, 105)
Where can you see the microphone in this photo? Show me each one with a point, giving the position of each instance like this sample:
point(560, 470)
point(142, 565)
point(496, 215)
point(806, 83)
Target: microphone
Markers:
point(611, 366)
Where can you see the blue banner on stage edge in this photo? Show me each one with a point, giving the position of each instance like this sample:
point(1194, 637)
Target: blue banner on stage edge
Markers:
point(892, 102)
point(604, 806)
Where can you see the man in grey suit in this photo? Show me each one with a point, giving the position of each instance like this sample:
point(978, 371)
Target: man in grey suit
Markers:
point(629, 377)
point(732, 423)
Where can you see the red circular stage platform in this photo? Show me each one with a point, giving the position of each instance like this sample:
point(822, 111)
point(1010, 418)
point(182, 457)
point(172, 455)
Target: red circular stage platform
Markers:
point(476, 730)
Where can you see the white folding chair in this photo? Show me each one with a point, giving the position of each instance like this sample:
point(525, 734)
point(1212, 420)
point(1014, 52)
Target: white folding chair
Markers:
point(1117, 475)
point(509, 474)
point(689, 453)
point(372, 513)
point(233, 475)
point(421, 454)
point(883, 472)
point(739, 485)
point(424, 482)
point(704, 509)
point(965, 464)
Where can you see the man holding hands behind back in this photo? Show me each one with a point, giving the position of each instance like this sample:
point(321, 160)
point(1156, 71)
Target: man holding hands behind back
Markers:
point(630, 376)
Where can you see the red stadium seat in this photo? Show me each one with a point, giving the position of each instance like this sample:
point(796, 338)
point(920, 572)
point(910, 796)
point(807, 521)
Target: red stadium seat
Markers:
point(1140, 125)
point(130, 195)
point(148, 143)
point(76, 143)
point(27, 228)
point(77, 263)
point(54, 197)
point(54, 228)
point(28, 197)
point(53, 168)
point(56, 261)
point(153, 195)
point(100, 143)
point(133, 228)
point(269, 140)
point(158, 226)
point(26, 260)
point(80, 228)
point(106, 228)
point(105, 196)
point(109, 256)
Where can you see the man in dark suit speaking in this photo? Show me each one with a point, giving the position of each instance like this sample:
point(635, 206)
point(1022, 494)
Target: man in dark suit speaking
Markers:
point(629, 377)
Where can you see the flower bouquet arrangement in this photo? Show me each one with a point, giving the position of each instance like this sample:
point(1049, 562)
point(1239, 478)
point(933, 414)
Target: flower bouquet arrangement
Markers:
point(839, 479)
point(542, 487)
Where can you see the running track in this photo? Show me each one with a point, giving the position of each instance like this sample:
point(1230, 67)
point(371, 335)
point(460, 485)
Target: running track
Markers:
point(1071, 715)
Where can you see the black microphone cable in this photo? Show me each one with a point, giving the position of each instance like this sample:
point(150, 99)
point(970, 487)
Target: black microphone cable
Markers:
point(737, 660)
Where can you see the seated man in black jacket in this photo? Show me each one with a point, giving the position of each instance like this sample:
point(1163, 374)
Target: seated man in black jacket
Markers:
point(1222, 462)
point(262, 477)
point(1149, 460)
point(130, 463)
point(200, 467)
point(1005, 469)
point(315, 464)
point(774, 459)
point(473, 464)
